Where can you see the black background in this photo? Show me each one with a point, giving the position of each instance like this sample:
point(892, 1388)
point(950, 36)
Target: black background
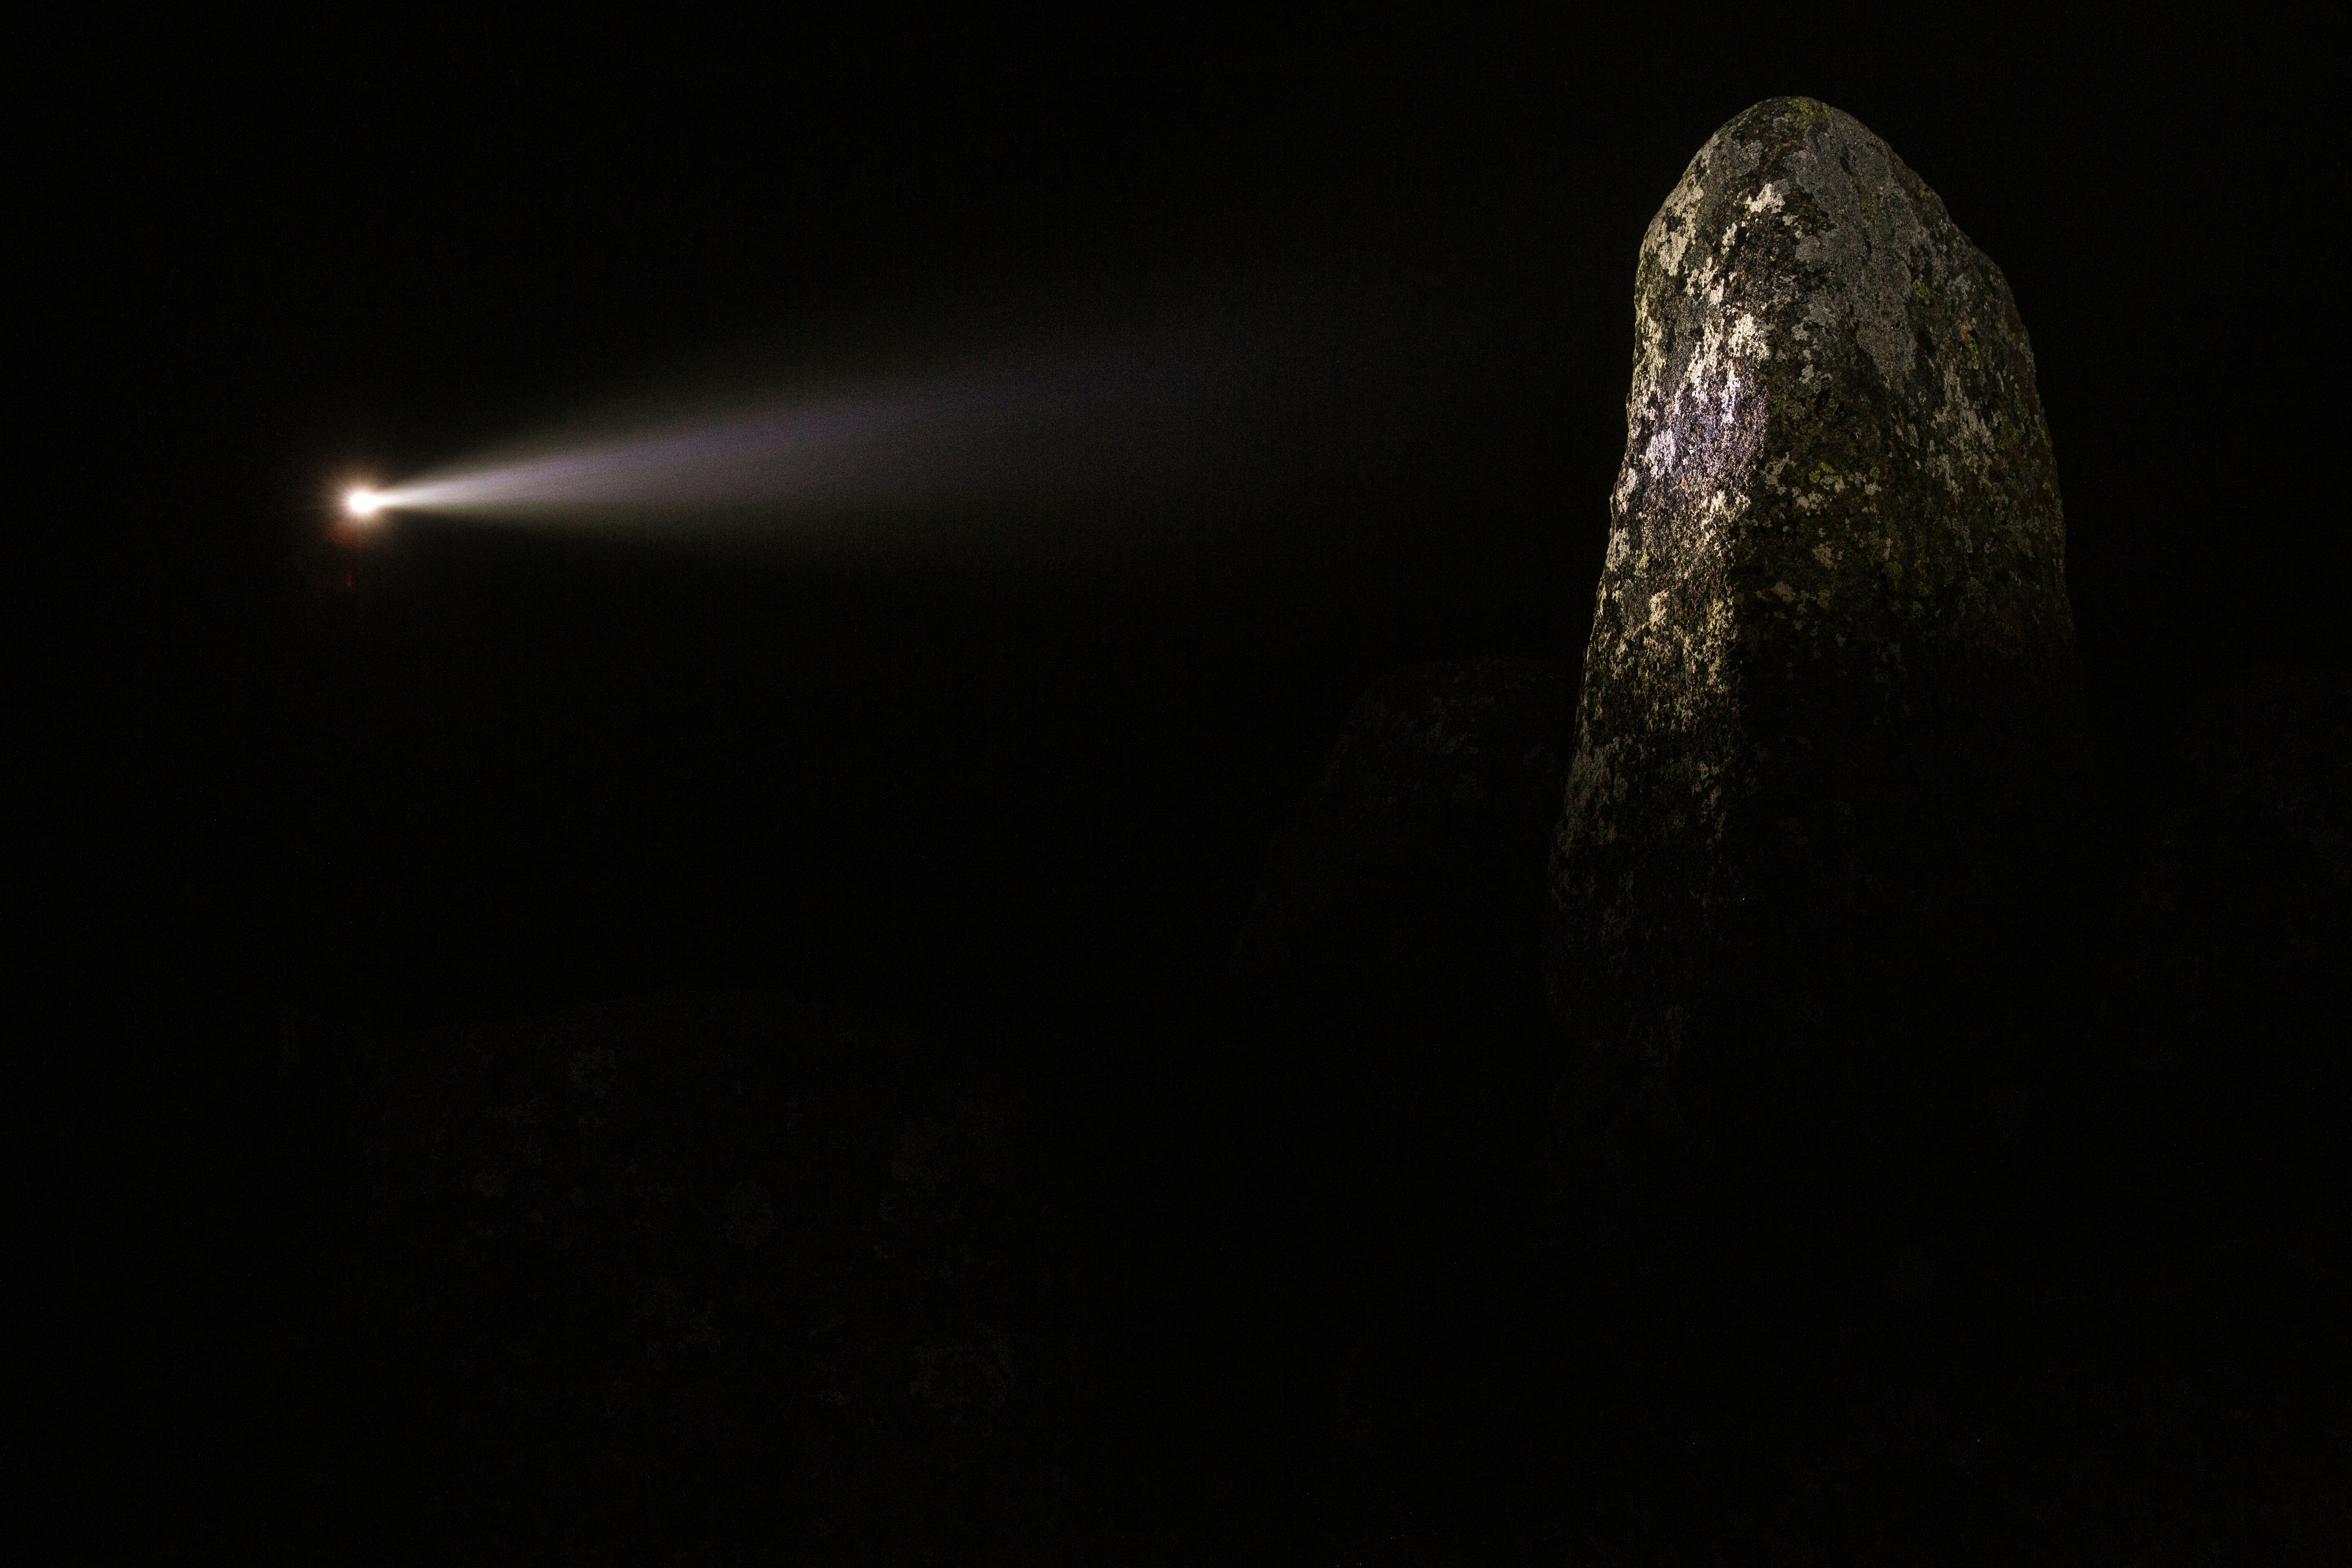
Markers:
point(462, 772)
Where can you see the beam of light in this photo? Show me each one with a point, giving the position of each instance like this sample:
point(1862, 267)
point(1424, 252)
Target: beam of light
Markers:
point(1022, 432)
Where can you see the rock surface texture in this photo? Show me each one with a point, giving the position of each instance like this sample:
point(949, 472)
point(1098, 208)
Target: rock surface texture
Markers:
point(1830, 759)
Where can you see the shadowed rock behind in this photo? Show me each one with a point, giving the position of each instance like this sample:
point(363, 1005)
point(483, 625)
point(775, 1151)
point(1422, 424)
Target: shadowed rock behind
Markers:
point(2237, 924)
point(1389, 975)
point(1830, 784)
point(1419, 847)
point(1389, 964)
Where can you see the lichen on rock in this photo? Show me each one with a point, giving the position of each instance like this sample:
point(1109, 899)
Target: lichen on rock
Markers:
point(1828, 744)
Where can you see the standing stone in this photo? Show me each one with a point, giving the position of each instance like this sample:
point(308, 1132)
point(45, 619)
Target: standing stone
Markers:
point(1829, 764)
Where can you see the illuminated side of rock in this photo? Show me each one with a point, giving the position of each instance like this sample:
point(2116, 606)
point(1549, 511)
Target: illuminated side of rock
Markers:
point(1828, 737)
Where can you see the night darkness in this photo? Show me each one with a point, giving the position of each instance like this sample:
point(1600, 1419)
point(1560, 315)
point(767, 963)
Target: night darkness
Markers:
point(998, 780)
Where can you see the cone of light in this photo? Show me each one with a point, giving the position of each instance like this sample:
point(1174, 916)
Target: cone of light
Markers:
point(1027, 431)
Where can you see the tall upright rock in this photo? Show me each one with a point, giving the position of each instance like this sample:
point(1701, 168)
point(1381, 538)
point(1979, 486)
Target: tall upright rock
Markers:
point(1829, 766)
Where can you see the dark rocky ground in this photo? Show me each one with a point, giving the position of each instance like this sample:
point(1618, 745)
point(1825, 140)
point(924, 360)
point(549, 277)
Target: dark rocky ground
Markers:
point(1306, 1273)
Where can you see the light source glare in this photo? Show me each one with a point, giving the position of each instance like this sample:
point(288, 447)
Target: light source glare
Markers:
point(1037, 428)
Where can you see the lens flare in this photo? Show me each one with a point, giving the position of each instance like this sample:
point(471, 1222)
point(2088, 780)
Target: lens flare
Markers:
point(362, 504)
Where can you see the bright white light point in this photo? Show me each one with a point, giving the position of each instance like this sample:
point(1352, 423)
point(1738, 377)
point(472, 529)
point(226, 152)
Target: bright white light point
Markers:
point(362, 503)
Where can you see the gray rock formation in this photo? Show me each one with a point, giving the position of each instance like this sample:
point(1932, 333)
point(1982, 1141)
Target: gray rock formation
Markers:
point(1829, 753)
